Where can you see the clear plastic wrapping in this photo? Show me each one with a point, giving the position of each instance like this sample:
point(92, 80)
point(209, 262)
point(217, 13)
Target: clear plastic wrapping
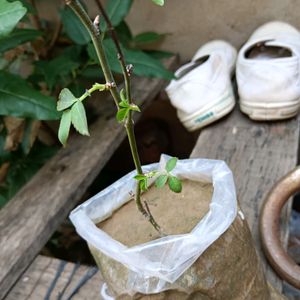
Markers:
point(167, 258)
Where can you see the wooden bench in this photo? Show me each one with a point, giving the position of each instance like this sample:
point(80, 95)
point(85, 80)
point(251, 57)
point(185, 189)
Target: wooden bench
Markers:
point(258, 154)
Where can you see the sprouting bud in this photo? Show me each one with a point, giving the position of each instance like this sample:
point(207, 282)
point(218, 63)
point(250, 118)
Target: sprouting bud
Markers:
point(110, 85)
point(88, 92)
point(96, 23)
point(129, 69)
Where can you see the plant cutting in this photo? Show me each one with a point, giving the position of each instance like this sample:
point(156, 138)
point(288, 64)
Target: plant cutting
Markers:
point(193, 245)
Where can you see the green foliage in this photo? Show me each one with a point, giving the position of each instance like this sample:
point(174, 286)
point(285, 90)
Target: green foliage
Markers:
point(147, 37)
point(144, 64)
point(124, 33)
point(73, 27)
point(142, 181)
point(57, 68)
point(78, 117)
point(175, 184)
point(125, 108)
point(74, 111)
point(18, 37)
point(161, 180)
point(116, 10)
point(65, 99)
point(31, 95)
point(158, 54)
point(159, 2)
point(171, 164)
point(19, 99)
point(22, 168)
point(10, 15)
point(64, 126)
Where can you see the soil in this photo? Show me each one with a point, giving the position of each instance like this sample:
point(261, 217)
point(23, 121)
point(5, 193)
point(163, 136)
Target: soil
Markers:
point(228, 269)
point(129, 227)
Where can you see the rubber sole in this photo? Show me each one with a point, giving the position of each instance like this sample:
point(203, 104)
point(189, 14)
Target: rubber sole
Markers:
point(210, 113)
point(262, 111)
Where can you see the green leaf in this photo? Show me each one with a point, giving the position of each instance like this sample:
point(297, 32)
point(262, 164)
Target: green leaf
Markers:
point(116, 10)
point(64, 127)
point(158, 54)
point(144, 184)
point(73, 27)
point(122, 114)
point(28, 6)
point(19, 99)
point(161, 180)
point(77, 88)
point(79, 118)
point(56, 68)
point(10, 14)
point(140, 177)
point(175, 184)
point(134, 107)
point(123, 95)
point(66, 99)
point(147, 37)
point(124, 104)
point(74, 53)
point(23, 167)
point(18, 37)
point(92, 72)
point(159, 2)
point(171, 164)
point(123, 32)
point(143, 64)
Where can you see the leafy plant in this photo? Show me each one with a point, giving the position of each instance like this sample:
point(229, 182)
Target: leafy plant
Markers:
point(116, 60)
point(34, 66)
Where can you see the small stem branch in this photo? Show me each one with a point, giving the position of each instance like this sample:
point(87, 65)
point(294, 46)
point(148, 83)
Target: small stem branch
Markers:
point(95, 36)
point(95, 87)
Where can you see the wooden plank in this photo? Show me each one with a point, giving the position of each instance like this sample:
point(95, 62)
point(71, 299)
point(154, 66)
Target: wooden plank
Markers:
point(258, 153)
point(28, 220)
point(36, 282)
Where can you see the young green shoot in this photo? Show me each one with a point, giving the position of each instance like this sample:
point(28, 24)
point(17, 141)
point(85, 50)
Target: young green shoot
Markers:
point(163, 177)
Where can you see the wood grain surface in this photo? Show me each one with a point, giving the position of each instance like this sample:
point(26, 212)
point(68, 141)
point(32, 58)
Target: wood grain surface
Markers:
point(46, 272)
point(259, 154)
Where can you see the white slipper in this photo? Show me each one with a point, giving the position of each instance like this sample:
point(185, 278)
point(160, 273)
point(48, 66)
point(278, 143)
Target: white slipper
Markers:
point(202, 92)
point(267, 72)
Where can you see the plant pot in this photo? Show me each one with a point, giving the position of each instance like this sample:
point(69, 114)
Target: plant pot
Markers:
point(214, 259)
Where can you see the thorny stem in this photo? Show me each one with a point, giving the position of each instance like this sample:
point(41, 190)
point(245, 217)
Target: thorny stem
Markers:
point(126, 73)
point(94, 32)
point(95, 87)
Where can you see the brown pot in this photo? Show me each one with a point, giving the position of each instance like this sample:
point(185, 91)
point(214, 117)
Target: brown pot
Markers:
point(282, 263)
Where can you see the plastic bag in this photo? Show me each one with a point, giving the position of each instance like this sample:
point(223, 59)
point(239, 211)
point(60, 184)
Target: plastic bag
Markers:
point(153, 266)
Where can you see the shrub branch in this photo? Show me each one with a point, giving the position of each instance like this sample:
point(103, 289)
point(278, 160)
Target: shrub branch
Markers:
point(94, 31)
